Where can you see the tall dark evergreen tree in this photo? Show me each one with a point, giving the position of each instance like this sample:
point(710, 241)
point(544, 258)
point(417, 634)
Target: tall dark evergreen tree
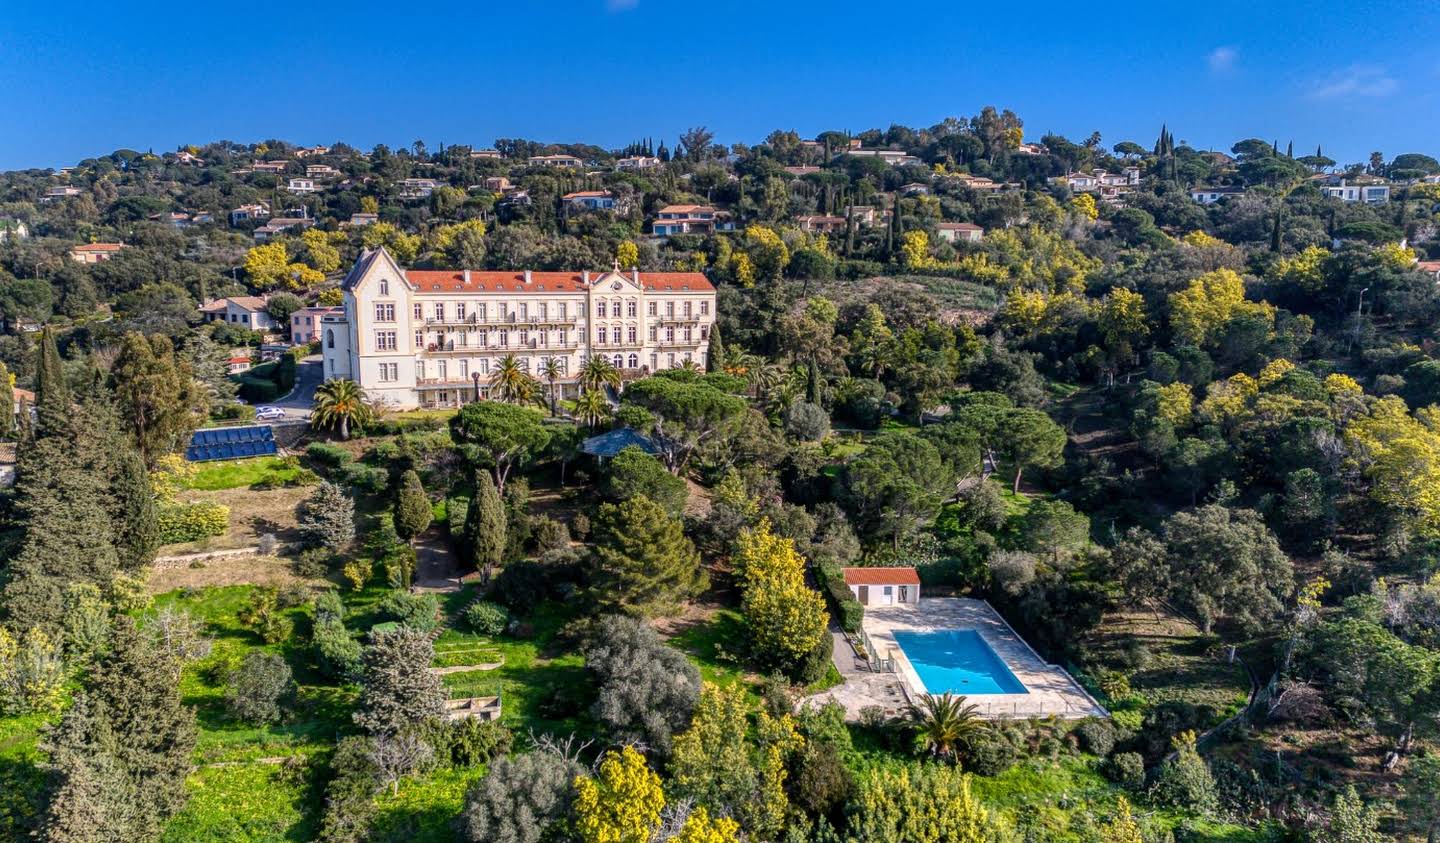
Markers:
point(7, 405)
point(62, 496)
point(485, 526)
point(52, 396)
point(715, 362)
point(122, 751)
point(156, 394)
point(412, 507)
point(137, 528)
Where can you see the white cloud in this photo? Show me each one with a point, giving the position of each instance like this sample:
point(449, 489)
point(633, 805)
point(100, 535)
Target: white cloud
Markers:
point(620, 5)
point(1222, 60)
point(1357, 80)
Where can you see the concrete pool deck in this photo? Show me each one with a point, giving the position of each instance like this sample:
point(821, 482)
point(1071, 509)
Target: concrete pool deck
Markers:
point(1051, 691)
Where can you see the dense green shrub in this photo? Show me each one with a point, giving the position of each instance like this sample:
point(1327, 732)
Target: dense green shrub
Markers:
point(365, 478)
point(521, 585)
point(1126, 768)
point(519, 799)
point(313, 563)
point(991, 755)
point(1096, 736)
point(486, 618)
point(259, 688)
point(330, 456)
point(550, 535)
point(188, 522)
point(417, 611)
point(1185, 782)
point(467, 742)
point(233, 411)
point(813, 666)
point(336, 652)
point(846, 610)
point(258, 390)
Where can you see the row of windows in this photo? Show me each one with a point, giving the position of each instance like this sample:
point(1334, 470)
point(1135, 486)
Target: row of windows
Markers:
point(441, 311)
point(630, 334)
point(387, 340)
point(652, 308)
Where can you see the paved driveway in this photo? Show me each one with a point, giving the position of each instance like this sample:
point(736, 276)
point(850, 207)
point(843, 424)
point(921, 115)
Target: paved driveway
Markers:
point(309, 374)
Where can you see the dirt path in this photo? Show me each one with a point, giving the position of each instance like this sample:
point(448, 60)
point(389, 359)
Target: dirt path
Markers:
point(436, 568)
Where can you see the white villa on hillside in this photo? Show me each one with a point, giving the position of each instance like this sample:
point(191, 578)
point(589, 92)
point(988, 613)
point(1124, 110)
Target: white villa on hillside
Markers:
point(428, 338)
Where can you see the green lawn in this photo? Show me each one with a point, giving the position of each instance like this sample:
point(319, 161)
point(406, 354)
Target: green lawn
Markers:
point(715, 646)
point(235, 474)
point(541, 687)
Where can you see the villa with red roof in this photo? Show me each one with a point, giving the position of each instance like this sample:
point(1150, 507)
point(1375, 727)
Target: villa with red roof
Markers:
point(433, 338)
point(95, 252)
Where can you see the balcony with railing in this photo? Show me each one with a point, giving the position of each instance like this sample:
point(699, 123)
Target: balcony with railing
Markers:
point(532, 344)
point(507, 319)
point(681, 342)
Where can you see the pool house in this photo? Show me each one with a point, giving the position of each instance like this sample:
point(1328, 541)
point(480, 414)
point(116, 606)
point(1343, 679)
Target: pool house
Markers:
point(884, 586)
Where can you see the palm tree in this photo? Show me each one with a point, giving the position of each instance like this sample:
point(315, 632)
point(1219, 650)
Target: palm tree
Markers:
point(512, 383)
point(340, 403)
point(551, 369)
point(945, 723)
point(691, 366)
point(597, 373)
point(591, 407)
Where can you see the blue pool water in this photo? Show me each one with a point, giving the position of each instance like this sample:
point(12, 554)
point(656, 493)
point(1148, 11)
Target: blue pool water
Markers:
point(958, 661)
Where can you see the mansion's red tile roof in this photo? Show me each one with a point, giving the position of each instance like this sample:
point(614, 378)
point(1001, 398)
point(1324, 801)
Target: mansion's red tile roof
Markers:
point(455, 281)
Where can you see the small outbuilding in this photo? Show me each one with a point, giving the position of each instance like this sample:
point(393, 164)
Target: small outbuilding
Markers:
point(899, 586)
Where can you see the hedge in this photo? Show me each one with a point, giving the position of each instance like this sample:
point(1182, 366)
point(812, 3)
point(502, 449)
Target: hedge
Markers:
point(188, 522)
point(268, 381)
point(330, 456)
point(843, 605)
point(258, 390)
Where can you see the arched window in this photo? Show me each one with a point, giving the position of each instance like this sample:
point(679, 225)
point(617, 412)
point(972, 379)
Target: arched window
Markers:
point(619, 361)
point(330, 338)
point(634, 361)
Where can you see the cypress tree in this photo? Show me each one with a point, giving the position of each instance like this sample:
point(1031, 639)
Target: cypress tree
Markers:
point(412, 507)
point(485, 526)
point(715, 362)
point(1290, 149)
point(1275, 232)
point(812, 384)
point(62, 494)
point(52, 396)
point(122, 752)
point(137, 529)
point(7, 404)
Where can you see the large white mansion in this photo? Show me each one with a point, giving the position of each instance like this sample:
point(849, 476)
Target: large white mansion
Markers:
point(430, 338)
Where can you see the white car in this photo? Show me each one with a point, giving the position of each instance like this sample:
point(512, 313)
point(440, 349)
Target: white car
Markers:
point(269, 413)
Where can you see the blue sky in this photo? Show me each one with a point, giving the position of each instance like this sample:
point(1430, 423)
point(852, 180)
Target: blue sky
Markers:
point(82, 79)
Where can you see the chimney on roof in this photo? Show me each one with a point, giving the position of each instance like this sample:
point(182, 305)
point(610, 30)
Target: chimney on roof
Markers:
point(585, 276)
point(637, 276)
point(466, 275)
point(527, 276)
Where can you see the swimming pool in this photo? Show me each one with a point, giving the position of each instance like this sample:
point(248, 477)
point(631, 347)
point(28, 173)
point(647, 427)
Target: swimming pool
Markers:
point(957, 661)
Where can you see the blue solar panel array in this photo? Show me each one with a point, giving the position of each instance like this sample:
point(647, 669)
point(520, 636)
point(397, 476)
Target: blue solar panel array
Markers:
point(231, 443)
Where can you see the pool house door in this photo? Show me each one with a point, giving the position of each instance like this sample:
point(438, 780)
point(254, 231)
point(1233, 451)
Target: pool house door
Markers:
point(864, 595)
